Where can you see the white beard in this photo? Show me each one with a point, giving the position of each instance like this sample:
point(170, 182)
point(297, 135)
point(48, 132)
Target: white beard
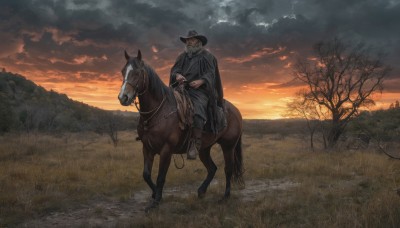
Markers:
point(190, 50)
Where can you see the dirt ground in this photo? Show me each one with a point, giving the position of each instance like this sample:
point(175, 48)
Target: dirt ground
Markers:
point(111, 213)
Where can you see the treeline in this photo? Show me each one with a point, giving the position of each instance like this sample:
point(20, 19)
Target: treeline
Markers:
point(383, 125)
point(283, 127)
point(25, 106)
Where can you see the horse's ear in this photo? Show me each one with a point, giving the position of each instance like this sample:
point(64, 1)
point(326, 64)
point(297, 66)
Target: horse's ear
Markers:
point(127, 57)
point(139, 55)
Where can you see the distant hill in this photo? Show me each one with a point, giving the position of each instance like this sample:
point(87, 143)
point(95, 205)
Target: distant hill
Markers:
point(25, 106)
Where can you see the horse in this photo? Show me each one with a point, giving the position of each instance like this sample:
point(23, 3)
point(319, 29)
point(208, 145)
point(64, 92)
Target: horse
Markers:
point(159, 130)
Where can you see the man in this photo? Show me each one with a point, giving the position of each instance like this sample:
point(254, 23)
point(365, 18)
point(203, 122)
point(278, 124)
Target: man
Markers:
point(199, 68)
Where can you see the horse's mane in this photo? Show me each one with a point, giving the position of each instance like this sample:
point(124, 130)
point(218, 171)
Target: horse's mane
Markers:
point(156, 86)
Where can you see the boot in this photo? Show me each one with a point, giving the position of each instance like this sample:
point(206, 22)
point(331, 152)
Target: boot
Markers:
point(195, 144)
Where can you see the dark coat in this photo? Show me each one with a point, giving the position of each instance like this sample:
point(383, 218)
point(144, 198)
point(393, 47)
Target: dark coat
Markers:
point(203, 65)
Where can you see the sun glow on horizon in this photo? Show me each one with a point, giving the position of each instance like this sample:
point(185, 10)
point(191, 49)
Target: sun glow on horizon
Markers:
point(254, 100)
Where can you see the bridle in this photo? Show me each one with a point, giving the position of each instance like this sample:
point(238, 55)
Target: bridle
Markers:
point(136, 87)
point(145, 76)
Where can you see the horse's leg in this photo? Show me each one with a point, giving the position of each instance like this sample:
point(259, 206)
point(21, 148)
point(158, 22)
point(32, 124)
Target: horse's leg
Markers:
point(165, 161)
point(148, 165)
point(211, 169)
point(228, 157)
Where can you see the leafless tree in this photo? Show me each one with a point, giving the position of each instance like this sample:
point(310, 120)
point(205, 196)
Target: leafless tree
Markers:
point(26, 117)
point(302, 106)
point(112, 129)
point(109, 124)
point(340, 79)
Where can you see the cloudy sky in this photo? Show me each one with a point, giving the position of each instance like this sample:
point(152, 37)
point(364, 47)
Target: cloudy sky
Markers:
point(76, 47)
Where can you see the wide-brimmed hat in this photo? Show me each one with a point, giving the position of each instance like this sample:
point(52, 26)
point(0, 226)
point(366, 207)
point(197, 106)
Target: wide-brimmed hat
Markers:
point(194, 34)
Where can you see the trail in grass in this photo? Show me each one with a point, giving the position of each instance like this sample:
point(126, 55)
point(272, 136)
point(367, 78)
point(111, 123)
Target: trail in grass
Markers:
point(105, 212)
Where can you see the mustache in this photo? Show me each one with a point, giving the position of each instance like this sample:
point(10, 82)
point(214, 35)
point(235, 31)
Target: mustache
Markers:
point(194, 45)
point(193, 48)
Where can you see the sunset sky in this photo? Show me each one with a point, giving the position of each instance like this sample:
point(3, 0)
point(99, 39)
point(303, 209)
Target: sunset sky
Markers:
point(76, 47)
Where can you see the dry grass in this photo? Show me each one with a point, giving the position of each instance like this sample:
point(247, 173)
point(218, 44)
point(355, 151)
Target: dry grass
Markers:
point(41, 174)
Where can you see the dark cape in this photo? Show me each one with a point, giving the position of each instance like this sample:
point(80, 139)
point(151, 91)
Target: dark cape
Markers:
point(203, 65)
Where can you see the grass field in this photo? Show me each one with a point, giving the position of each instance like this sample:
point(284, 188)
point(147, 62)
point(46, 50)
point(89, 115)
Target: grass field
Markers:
point(42, 176)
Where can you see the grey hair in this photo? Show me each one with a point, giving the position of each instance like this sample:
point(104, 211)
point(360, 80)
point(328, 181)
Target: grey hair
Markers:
point(190, 50)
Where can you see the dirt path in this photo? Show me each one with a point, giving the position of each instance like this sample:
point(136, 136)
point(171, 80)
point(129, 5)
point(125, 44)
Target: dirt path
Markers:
point(109, 213)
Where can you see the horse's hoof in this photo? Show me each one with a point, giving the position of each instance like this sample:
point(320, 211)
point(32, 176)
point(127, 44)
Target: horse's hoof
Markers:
point(153, 205)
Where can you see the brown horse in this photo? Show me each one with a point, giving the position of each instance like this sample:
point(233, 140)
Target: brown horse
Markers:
point(160, 133)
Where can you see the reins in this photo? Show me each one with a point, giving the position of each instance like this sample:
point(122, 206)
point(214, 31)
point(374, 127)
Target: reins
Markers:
point(156, 109)
point(145, 75)
point(183, 162)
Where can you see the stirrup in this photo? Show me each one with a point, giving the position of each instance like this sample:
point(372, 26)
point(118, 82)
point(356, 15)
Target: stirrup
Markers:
point(192, 152)
point(193, 149)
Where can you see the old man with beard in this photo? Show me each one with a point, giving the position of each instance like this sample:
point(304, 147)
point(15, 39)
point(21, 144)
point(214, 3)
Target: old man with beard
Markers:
point(199, 68)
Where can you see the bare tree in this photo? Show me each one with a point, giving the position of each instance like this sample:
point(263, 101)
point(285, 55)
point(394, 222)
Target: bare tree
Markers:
point(44, 118)
point(341, 79)
point(109, 124)
point(302, 106)
point(112, 129)
point(26, 116)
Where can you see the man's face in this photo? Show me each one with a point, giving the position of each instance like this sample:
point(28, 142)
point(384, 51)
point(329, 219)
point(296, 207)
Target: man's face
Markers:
point(192, 42)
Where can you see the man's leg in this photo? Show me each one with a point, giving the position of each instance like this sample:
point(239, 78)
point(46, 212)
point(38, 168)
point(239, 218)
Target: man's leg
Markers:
point(199, 100)
point(195, 141)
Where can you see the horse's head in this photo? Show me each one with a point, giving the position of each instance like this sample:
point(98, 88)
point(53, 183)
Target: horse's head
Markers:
point(133, 75)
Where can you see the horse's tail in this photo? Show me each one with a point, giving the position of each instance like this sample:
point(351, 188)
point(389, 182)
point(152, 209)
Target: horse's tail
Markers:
point(238, 169)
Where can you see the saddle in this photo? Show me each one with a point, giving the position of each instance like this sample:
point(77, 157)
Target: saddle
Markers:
point(184, 107)
point(185, 111)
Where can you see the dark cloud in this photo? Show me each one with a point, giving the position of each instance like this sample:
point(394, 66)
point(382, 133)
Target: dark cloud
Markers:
point(89, 36)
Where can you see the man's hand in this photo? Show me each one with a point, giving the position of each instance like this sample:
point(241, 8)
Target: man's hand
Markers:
point(196, 83)
point(180, 78)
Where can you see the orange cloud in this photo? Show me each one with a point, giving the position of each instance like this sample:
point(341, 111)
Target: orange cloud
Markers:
point(288, 65)
point(256, 55)
point(283, 57)
point(88, 59)
point(60, 36)
point(81, 59)
point(10, 45)
point(57, 35)
point(154, 49)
